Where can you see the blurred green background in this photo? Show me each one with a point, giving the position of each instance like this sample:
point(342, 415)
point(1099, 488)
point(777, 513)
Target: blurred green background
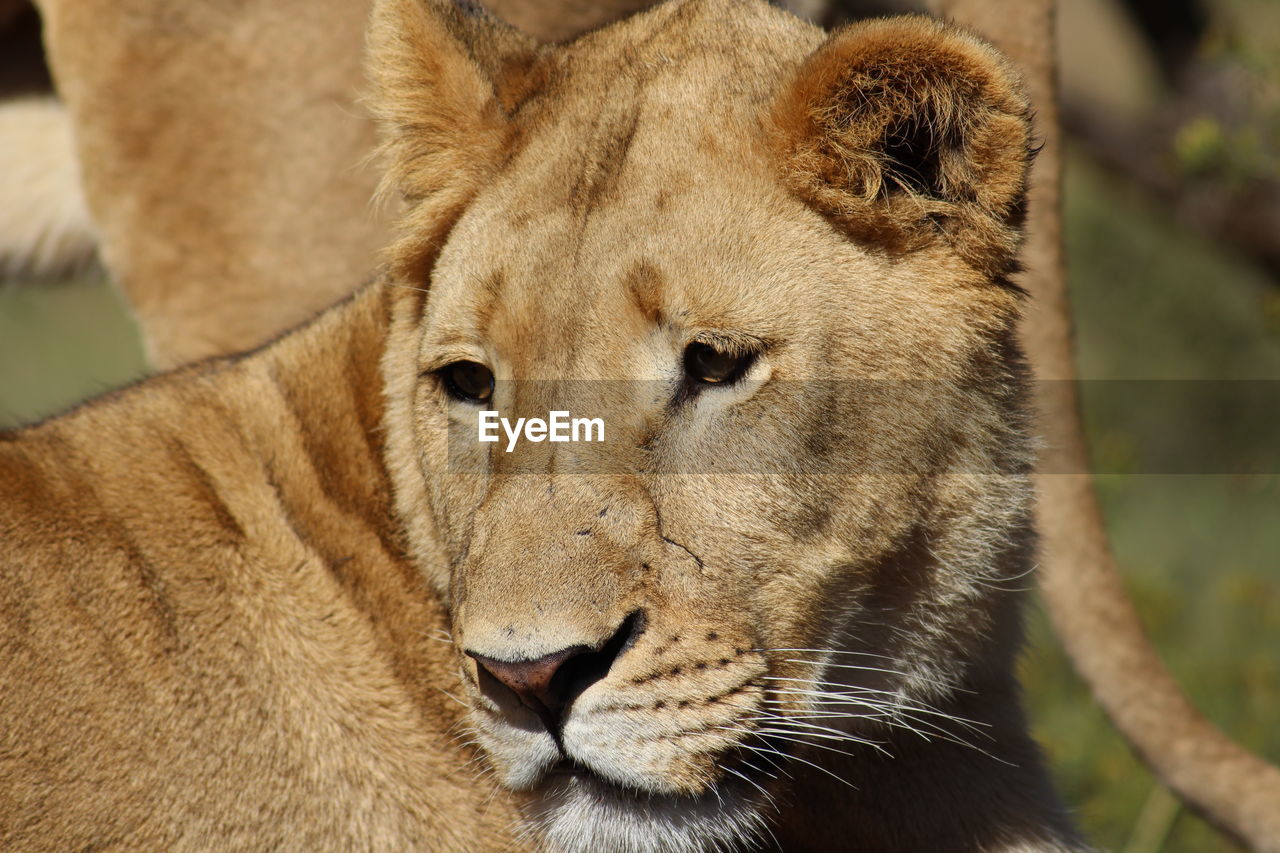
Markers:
point(1201, 553)
point(1172, 226)
point(1165, 148)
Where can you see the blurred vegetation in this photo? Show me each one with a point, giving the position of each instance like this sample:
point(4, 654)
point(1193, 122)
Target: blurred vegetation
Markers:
point(1193, 120)
point(1201, 553)
point(61, 342)
point(1173, 239)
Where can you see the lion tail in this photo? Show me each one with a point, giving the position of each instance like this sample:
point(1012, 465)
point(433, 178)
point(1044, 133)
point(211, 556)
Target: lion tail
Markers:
point(1235, 790)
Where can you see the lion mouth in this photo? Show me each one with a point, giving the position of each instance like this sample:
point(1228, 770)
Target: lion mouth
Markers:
point(569, 768)
point(640, 733)
point(647, 763)
point(736, 766)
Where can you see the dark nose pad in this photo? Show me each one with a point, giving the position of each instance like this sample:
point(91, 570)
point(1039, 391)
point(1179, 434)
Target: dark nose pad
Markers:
point(549, 684)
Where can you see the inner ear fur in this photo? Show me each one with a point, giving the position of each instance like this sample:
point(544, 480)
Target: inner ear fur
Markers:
point(445, 77)
point(907, 130)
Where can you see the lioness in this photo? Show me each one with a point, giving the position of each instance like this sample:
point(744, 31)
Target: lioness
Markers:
point(288, 599)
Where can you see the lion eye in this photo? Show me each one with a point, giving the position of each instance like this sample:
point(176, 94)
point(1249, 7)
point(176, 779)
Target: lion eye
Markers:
point(706, 364)
point(468, 381)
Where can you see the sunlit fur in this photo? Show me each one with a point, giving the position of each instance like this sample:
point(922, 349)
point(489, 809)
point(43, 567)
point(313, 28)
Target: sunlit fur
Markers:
point(225, 590)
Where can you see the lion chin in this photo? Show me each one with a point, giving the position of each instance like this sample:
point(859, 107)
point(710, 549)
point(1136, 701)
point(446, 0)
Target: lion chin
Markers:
point(597, 780)
point(577, 811)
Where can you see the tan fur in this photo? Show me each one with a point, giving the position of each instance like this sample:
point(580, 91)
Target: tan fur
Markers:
point(238, 597)
point(210, 636)
point(222, 224)
point(199, 306)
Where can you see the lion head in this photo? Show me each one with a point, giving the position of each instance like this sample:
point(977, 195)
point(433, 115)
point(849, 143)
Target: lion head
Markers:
point(774, 263)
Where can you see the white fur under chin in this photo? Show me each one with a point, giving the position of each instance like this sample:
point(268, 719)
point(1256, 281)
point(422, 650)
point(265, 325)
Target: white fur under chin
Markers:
point(583, 815)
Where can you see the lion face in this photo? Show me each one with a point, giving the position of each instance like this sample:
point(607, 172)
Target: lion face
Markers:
point(792, 538)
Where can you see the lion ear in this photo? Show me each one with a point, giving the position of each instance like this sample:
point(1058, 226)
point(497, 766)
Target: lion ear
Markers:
point(907, 130)
point(445, 77)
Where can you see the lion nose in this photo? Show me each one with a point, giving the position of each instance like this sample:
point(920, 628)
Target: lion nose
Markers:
point(548, 685)
point(532, 680)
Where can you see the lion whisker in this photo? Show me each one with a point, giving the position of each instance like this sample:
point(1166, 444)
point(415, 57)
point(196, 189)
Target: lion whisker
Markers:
point(900, 673)
point(744, 777)
point(802, 760)
point(895, 715)
point(454, 698)
point(826, 652)
point(758, 819)
point(861, 668)
point(802, 737)
point(873, 702)
point(802, 723)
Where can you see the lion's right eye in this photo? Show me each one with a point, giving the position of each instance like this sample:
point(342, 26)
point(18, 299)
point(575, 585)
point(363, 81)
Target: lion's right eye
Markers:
point(467, 381)
point(706, 365)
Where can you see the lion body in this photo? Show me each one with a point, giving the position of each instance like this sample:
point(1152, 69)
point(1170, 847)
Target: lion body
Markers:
point(213, 634)
point(246, 602)
point(210, 637)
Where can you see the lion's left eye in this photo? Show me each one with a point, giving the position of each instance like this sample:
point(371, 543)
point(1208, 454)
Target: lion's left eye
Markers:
point(467, 381)
point(705, 364)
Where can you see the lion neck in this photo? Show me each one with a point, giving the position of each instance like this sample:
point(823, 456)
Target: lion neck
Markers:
point(330, 420)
